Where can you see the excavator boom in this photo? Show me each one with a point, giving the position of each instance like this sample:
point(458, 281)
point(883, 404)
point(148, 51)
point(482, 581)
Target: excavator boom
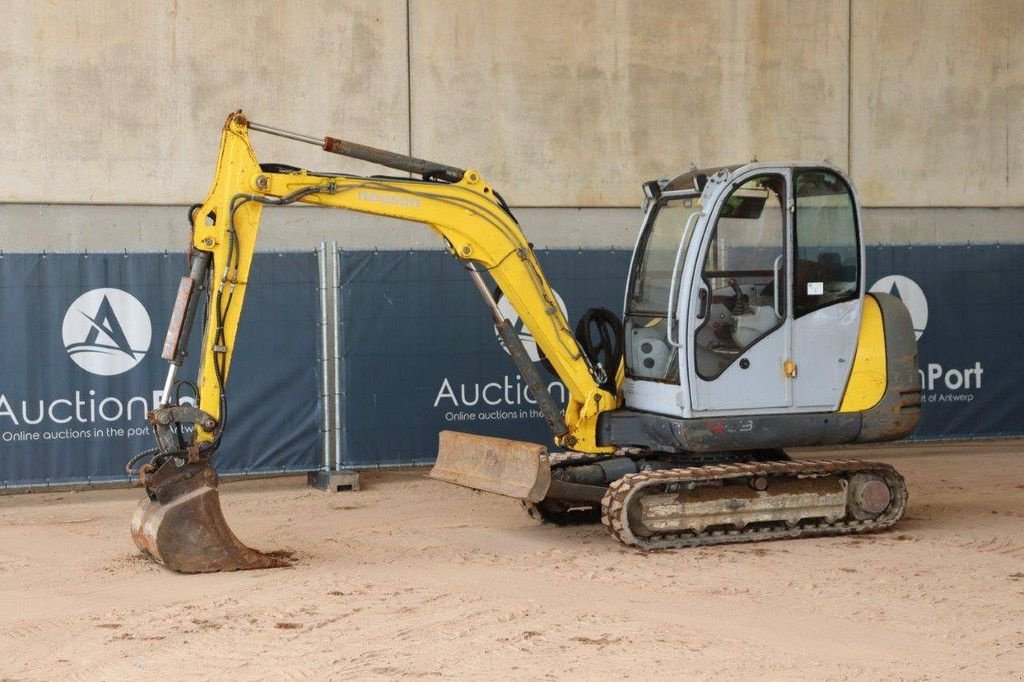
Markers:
point(458, 205)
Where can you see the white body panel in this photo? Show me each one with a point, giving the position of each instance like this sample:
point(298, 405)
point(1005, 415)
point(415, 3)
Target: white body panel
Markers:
point(759, 384)
point(652, 396)
point(824, 344)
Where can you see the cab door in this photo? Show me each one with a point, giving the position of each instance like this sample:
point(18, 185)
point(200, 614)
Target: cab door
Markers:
point(827, 289)
point(739, 327)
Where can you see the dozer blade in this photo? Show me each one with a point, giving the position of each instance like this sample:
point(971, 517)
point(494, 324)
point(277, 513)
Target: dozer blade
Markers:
point(513, 468)
point(184, 528)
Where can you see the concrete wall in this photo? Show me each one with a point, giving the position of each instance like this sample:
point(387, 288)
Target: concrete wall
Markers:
point(98, 228)
point(577, 103)
point(937, 115)
point(122, 102)
point(113, 109)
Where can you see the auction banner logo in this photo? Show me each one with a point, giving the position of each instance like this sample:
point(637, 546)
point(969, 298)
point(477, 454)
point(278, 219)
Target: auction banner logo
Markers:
point(934, 377)
point(501, 399)
point(107, 331)
point(908, 291)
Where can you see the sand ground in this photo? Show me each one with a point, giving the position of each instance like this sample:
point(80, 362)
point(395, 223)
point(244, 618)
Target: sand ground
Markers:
point(411, 577)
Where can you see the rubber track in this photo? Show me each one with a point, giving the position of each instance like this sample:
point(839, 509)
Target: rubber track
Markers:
point(620, 494)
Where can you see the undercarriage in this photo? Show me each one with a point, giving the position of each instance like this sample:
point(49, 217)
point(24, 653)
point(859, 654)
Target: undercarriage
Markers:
point(661, 503)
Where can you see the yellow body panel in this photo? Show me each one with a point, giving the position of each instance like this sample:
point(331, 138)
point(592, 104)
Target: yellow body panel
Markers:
point(868, 377)
point(465, 214)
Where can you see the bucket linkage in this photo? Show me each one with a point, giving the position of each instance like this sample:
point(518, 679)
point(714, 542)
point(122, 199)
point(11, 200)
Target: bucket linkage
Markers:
point(179, 523)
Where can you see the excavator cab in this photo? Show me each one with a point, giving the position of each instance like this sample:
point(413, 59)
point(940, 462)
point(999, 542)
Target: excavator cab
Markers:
point(745, 293)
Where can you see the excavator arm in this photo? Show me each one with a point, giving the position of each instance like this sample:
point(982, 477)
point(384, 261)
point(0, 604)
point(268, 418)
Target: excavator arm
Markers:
point(181, 524)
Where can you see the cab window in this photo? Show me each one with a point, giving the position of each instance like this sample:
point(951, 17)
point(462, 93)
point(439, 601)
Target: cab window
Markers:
point(827, 252)
point(649, 353)
point(744, 261)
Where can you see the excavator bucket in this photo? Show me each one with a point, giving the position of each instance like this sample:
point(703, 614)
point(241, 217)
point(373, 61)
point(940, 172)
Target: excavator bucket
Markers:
point(513, 468)
point(184, 528)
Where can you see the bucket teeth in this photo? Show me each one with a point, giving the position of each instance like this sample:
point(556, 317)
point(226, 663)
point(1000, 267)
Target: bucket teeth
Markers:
point(184, 528)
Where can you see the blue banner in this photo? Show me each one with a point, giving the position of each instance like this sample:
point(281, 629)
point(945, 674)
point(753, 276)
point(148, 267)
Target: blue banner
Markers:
point(80, 365)
point(419, 352)
point(969, 319)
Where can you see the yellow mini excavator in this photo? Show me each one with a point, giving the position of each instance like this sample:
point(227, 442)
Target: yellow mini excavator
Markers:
point(746, 330)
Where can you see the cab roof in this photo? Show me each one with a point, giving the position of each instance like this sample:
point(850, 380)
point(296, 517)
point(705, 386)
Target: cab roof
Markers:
point(695, 178)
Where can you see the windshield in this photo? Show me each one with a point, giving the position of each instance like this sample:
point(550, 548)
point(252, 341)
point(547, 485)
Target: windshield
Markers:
point(656, 256)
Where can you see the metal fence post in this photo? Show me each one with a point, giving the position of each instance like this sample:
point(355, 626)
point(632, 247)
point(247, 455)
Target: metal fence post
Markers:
point(325, 396)
point(331, 477)
point(338, 432)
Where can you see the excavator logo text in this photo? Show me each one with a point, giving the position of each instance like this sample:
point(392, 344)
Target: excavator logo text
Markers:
point(107, 331)
point(385, 198)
